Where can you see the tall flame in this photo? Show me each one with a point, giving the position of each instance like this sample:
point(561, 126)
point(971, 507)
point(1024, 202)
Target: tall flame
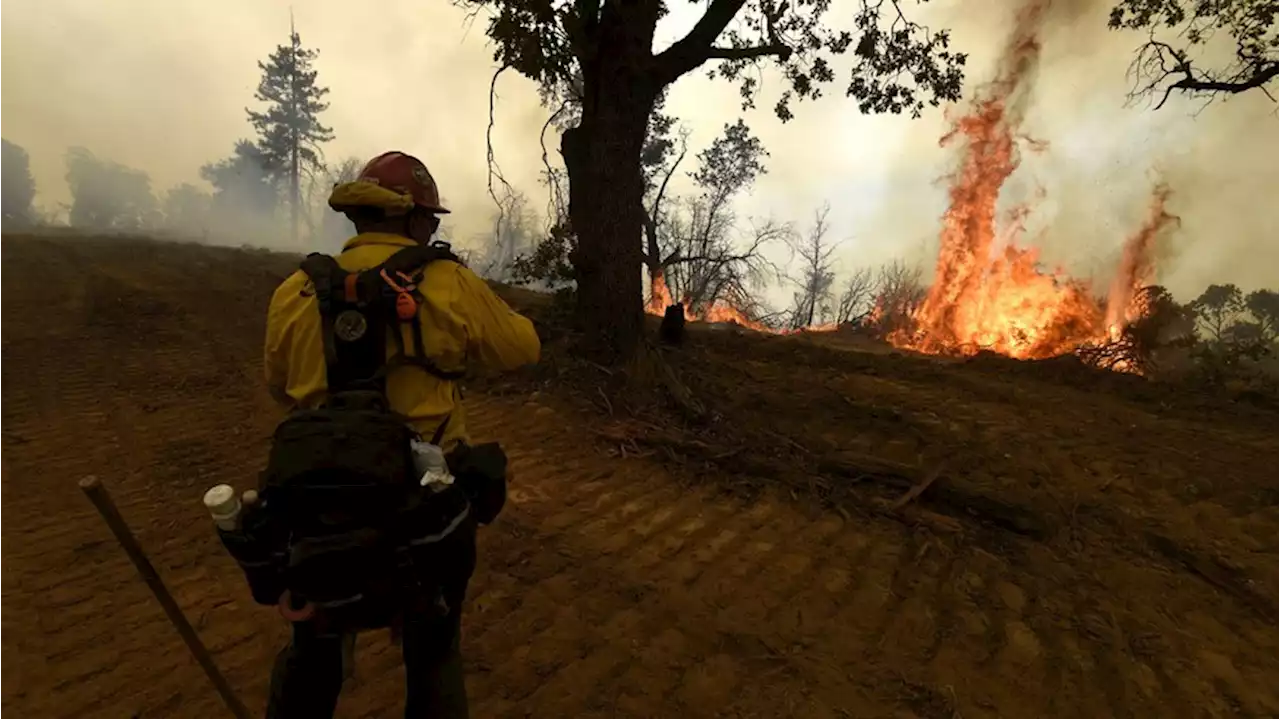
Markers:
point(1137, 264)
point(988, 293)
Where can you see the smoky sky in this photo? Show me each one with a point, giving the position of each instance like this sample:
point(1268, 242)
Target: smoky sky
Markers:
point(162, 87)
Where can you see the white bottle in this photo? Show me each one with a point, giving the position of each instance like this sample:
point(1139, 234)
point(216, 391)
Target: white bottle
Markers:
point(429, 461)
point(223, 506)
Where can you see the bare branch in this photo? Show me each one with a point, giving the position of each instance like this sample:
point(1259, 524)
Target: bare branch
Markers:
point(857, 297)
point(1160, 68)
point(653, 215)
point(494, 170)
point(898, 293)
point(778, 50)
point(662, 189)
point(552, 190)
point(708, 267)
point(1158, 62)
point(811, 302)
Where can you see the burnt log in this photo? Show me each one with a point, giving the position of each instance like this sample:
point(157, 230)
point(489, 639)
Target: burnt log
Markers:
point(671, 331)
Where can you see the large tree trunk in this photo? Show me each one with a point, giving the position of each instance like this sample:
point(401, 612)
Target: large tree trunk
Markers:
point(602, 156)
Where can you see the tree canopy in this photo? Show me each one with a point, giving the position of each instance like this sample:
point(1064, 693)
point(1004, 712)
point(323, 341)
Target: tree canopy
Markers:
point(19, 188)
point(897, 64)
point(243, 182)
point(106, 195)
point(186, 210)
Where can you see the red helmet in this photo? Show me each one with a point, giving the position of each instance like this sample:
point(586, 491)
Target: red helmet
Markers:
point(406, 175)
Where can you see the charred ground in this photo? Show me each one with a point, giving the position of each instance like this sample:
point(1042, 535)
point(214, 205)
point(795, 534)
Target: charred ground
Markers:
point(786, 526)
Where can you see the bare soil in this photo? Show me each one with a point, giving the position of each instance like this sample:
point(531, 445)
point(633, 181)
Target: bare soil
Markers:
point(817, 531)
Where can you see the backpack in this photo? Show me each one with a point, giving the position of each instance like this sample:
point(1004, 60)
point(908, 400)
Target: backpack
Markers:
point(362, 539)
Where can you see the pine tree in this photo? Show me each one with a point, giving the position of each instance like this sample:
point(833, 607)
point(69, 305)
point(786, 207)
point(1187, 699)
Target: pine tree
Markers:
point(289, 131)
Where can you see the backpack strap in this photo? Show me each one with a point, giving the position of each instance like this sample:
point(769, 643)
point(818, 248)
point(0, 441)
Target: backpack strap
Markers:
point(407, 265)
point(354, 332)
point(412, 259)
point(357, 309)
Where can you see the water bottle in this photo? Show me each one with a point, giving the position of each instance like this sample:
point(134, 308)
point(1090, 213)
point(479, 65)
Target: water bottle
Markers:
point(429, 462)
point(224, 506)
point(241, 530)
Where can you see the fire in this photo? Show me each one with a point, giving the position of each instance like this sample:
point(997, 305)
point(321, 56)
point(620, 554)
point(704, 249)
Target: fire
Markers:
point(988, 293)
point(660, 299)
point(1137, 265)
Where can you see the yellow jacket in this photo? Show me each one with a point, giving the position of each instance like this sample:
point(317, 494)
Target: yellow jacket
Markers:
point(463, 322)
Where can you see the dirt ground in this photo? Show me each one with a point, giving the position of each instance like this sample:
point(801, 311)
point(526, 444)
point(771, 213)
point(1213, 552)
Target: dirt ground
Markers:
point(1081, 550)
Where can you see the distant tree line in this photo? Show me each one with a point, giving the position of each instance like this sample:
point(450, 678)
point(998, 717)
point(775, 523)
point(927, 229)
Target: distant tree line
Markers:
point(267, 191)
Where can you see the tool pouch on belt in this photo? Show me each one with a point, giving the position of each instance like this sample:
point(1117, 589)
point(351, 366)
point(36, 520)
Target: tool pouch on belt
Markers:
point(481, 472)
point(259, 552)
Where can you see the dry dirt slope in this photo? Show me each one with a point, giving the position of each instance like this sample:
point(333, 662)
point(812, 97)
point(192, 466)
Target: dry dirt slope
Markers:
point(610, 587)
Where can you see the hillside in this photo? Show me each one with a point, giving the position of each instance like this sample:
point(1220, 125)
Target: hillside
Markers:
point(753, 546)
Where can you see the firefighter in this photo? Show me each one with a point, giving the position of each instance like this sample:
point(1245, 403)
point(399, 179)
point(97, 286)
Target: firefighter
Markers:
point(394, 203)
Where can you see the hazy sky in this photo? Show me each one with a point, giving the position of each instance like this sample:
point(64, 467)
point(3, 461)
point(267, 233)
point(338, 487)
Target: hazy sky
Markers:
point(162, 86)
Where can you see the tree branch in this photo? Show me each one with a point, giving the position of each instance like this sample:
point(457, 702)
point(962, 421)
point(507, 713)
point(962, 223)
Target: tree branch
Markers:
point(662, 189)
point(696, 48)
point(491, 161)
point(1261, 76)
point(552, 191)
point(1165, 61)
point(749, 53)
point(653, 215)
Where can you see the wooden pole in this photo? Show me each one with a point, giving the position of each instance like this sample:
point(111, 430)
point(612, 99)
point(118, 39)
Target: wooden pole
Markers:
point(97, 494)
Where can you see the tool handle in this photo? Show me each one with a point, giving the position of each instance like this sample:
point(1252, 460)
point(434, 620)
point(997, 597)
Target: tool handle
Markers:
point(101, 499)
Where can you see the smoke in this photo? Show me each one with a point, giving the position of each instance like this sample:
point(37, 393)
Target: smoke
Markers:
point(1092, 184)
point(107, 196)
point(1087, 189)
point(1137, 268)
point(990, 290)
point(163, 89)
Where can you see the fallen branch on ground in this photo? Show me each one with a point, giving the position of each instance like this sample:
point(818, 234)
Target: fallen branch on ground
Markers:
point(871, 474)
point(918, 488)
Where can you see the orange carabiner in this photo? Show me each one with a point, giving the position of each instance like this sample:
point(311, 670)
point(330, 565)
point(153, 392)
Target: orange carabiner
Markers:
point(406, 307)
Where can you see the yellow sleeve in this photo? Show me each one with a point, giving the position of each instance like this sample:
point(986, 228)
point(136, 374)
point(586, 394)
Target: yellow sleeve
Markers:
point(276, 347)
point(497, 337)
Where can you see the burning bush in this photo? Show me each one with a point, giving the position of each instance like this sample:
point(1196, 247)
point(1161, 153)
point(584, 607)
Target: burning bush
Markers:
point(1158, 325)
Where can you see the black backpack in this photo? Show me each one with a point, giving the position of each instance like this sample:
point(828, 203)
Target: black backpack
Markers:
point(362, 540)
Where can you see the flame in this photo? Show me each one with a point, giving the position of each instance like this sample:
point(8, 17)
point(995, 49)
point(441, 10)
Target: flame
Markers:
point(1137, 265)
point(989, 293)
point(660, 299)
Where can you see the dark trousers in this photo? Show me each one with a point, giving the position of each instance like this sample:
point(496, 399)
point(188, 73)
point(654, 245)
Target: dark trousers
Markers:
point(308, 673)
